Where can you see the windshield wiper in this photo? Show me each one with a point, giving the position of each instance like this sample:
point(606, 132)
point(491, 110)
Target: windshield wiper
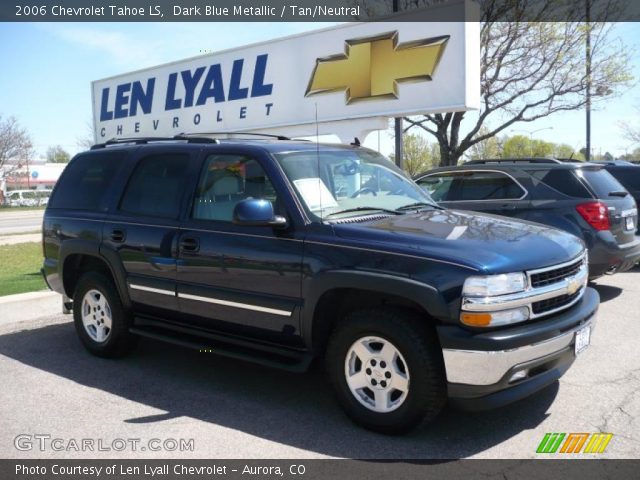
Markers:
point(619, 193)
point(358, 209)
point(417, 206)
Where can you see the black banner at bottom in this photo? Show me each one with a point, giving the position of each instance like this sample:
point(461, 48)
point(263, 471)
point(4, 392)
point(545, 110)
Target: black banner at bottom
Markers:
point(583, 469)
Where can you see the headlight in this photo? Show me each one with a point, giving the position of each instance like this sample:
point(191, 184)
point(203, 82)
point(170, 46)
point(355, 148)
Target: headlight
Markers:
point(492, 285)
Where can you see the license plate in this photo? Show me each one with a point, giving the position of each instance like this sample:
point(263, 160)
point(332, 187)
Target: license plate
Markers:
point(629, 224)
point(583, 336)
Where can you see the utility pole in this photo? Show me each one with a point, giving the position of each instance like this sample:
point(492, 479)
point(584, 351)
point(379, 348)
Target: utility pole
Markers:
point(588, 62)
point(398, 122)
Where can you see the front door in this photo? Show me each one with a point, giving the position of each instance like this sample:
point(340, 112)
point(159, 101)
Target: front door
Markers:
point(236, 278)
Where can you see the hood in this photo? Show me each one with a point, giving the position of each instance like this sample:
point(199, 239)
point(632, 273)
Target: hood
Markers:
point(489, 243)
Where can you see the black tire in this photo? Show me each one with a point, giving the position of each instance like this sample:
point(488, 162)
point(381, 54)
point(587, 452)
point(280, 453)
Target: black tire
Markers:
point(118, 341)
point(417, 343)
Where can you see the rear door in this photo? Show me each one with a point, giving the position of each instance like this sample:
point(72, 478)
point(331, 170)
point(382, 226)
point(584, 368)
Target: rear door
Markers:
point(144, 228)
point(623, 214)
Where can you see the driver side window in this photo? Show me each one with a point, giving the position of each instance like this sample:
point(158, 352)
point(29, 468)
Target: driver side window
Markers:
point(226, 180)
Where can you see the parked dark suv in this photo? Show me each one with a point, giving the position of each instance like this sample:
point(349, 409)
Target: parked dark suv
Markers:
point(280, 251)
point(580, 198)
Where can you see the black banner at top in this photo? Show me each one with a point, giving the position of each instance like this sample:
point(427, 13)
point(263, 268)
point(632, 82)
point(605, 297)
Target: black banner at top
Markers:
point(316, 10)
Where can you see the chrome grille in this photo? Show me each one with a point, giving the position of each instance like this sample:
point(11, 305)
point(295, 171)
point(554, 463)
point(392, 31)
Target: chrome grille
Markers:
point(555, 303)
point(549, 290)
point(555, 275)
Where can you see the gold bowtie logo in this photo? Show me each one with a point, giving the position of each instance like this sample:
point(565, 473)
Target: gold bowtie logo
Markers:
point(372, 67)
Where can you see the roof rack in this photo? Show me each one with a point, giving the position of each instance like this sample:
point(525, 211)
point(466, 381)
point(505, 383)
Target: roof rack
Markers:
point(145, 140)
point(513, 160)
point(252, 134)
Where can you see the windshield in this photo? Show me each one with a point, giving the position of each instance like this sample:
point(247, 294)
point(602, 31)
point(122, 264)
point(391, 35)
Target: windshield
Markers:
point(343, 183)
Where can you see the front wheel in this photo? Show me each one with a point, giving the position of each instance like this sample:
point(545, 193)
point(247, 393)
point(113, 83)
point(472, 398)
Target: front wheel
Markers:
point(100, 318)
point(386, 368)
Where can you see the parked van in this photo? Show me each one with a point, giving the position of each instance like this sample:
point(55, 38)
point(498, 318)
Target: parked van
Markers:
point(28, 198)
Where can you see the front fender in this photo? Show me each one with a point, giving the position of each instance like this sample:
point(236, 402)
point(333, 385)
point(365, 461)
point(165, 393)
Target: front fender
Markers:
point(426, 296)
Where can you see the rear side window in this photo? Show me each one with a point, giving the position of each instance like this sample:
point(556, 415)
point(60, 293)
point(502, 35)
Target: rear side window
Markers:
point(600, 181)
point(86, 180)
point(156, 186)
point(489, 186)
point(563, 181)
point(440, 185)
point(627, 176)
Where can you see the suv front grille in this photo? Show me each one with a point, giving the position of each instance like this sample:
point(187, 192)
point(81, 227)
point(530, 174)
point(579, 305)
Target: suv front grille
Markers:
point(555, 275)
point(554, 303)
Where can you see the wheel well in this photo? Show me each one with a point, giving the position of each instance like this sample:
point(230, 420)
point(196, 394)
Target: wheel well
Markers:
point(335, 304)
point(76, 265)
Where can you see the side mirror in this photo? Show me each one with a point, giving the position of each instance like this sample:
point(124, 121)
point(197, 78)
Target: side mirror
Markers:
point(257, 213)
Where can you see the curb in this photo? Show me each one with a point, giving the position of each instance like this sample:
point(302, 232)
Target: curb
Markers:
point(21, 297)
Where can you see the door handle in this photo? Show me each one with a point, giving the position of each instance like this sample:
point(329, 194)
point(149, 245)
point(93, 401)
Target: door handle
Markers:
point(118, 235)
point(189, 244)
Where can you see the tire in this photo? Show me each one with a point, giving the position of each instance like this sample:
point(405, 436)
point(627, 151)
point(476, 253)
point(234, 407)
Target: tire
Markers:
point(97, 304)
point(403, 338)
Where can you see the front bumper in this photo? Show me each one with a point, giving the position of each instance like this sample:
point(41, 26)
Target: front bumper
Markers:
point(480, 366)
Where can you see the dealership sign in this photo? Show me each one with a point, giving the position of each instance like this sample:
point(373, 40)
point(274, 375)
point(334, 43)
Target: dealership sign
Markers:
point(353, 71)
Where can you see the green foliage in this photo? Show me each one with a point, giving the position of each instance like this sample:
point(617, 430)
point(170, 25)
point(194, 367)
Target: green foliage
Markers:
point(419, 154)
point(57, 154)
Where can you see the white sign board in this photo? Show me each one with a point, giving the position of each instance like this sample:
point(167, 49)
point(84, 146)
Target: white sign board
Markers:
point(352, 71)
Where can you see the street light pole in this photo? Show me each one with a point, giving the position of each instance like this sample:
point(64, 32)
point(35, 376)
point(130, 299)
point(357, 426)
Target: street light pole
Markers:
point(398, 122)
point(587, 154)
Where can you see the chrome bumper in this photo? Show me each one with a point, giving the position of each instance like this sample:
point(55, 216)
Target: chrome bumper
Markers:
point(475, 367)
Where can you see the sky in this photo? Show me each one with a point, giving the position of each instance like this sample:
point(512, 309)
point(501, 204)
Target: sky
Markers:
point(47, 69)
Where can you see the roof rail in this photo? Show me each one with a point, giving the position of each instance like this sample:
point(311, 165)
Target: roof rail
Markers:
point(252, 134)
point(144, 140)
point(513, 160)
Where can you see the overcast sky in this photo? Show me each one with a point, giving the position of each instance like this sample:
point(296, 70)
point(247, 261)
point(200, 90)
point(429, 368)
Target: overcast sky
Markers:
point(46, 71)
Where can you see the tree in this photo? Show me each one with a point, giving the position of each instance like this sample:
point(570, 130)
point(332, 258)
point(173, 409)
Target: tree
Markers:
point(57, 154)
point(631, 131)
point(16, 148)
point(563, 150)
point(419, 154)
point(489, 147)
point(530, 70)
point(87, 140)
point(633, 156)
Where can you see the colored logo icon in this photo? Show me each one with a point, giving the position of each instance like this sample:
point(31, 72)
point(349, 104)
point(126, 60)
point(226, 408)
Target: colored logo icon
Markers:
point(574, 443)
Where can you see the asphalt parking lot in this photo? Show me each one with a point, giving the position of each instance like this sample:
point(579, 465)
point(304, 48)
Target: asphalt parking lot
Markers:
point(51, 386)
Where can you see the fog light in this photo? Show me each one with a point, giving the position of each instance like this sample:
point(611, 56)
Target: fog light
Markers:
point(519, 375)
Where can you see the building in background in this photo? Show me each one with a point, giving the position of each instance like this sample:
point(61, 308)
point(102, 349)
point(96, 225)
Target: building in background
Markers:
point(34, 176)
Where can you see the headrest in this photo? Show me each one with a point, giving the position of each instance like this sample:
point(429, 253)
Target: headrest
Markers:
point(227, 185)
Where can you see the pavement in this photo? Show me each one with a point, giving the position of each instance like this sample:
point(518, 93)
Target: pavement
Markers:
point(18, 221)
point(231, 409)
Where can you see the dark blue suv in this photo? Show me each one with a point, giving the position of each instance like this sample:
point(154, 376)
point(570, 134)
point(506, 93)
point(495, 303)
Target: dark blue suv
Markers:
point(280, 251)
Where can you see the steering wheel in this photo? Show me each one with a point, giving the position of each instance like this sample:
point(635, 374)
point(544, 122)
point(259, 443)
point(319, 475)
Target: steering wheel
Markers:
point(364, 190)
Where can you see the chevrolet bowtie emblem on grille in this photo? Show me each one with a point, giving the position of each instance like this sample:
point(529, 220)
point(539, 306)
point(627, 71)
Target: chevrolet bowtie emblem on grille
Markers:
point(372, 67)
point(573, 286)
